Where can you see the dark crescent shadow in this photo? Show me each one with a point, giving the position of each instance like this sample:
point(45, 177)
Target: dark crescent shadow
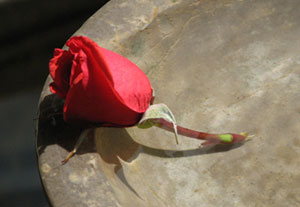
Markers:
point(53, 130)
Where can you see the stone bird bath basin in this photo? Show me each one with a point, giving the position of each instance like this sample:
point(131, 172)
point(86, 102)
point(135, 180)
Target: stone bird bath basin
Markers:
point(220, 66)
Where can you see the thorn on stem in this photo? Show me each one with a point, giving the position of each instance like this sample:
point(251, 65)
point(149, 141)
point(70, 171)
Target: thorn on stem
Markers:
point(82, 136)
point(71, 154)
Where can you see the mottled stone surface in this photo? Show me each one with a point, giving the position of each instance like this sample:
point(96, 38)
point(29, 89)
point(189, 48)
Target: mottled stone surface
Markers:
point(220, 66)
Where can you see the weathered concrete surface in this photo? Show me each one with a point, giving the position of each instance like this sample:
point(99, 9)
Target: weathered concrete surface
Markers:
point(220, 66)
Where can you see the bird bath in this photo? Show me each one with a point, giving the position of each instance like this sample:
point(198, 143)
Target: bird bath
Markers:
point(220, 66)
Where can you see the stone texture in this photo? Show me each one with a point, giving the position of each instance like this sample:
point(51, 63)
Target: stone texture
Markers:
point(220, 66)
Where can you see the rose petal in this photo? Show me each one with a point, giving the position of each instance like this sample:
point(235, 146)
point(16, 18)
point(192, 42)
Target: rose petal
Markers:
point(59, 67)
point(111, 89)
point(130, 82)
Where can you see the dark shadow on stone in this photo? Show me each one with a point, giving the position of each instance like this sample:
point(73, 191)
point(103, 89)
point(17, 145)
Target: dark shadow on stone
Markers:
point(116, 143)
point(224, 147)
point(120, 173)
point(53, 130)
point(190, 152)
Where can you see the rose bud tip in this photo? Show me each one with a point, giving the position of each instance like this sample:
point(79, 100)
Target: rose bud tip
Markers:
point(238, 138)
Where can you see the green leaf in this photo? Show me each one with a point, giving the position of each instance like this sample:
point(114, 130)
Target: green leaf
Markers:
point(154, 116)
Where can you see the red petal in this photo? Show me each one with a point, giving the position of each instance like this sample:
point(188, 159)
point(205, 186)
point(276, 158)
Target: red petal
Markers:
point(130, 82)
point(111, 89)
point(59, 67)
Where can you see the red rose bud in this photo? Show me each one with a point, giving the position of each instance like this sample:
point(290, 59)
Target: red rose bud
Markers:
point(98, 85)
point(102, 88)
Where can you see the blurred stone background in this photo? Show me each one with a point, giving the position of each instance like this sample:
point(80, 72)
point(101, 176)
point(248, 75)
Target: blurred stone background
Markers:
point(30, 30)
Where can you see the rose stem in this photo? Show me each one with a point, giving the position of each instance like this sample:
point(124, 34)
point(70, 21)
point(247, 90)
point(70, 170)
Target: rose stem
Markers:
point(82, 136)
point(214, 138)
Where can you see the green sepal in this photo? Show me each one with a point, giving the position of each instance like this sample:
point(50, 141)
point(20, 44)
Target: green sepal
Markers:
point(154, 114)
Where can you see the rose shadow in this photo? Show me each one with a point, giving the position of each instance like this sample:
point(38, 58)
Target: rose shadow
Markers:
point(122, 145)
point(112, 145)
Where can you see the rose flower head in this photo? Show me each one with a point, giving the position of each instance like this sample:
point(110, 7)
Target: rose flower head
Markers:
point(102, 88)
point(99, 86)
